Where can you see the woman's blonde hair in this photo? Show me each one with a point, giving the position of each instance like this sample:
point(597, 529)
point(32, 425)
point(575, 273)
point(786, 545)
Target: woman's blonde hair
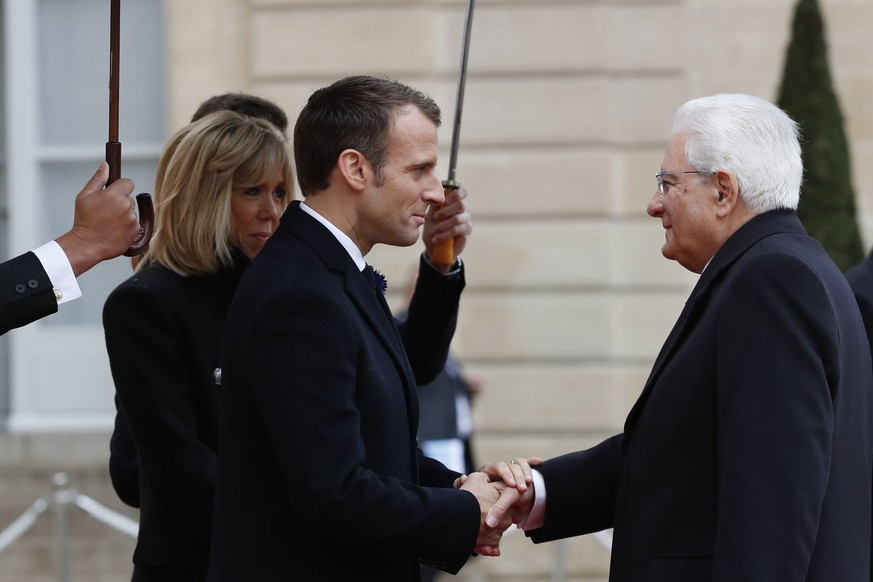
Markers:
point(201, 165)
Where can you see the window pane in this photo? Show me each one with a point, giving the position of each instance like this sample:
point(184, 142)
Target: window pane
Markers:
point(74, 71)
point(73, 45)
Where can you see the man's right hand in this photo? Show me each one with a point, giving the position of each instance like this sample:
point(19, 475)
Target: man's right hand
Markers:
point(488, 542)
point(104, 223)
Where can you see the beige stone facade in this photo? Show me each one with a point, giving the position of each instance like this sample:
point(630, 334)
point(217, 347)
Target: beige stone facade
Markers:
point(566, 115)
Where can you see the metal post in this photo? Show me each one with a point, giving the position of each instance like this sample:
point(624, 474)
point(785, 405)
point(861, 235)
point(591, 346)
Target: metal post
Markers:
point(559, 573)
point(62, 499)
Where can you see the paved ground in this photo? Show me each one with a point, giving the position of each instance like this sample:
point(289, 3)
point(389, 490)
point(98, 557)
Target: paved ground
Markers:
point(97, 552)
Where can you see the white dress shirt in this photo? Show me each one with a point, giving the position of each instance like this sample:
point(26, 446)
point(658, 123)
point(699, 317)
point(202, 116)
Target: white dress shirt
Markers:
point(60, 272)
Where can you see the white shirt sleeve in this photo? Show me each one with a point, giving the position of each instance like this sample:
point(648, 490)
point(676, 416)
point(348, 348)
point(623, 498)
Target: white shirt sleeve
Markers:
point(57, 267)
point(537, 514)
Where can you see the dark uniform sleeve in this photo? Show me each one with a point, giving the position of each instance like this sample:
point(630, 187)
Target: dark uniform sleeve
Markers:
point(26, 292)
point(430, 324)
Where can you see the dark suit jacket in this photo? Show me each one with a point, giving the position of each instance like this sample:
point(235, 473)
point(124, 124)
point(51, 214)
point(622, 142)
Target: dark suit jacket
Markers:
point(163, 335)
point(426, 336)
point(860, 279)
point(26, 292)
point(749, 454)
point(319, 470)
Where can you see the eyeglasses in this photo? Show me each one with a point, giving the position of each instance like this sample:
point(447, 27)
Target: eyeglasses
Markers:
point(660, 178)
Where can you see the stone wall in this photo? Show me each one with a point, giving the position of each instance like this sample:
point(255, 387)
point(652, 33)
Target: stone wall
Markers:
point(565, 120)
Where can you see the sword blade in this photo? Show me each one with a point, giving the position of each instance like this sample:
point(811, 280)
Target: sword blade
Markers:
point(459, 101)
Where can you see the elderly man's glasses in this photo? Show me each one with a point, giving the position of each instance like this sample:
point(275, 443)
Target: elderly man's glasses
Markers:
point(662, 189)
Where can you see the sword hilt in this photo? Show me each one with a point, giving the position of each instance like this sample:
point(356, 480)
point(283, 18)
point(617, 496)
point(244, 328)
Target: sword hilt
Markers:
point(444, 253)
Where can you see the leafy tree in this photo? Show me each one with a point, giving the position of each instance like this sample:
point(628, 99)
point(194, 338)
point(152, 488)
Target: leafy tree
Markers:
point(827, 201)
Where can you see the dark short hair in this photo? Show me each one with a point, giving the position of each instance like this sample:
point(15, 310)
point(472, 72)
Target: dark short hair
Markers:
point(246, 105)
point(353, 113)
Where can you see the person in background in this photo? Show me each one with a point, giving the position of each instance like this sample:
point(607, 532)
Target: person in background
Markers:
point(34, 284)
point(749, 454)
point(446, 420)
point(222, 183)
point(247, 105)
point(860, 279)
point(445, 427)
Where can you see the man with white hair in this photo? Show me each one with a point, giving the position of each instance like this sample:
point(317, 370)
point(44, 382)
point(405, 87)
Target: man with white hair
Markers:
point(749, 453)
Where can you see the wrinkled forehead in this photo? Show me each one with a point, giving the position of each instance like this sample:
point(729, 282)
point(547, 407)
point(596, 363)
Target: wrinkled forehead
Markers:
point(674, 154)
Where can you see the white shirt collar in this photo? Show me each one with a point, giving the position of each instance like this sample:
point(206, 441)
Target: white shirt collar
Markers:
point(348, 244)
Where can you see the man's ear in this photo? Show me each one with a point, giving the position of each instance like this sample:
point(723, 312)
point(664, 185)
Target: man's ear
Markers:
point(354, 169)
point(728, 192)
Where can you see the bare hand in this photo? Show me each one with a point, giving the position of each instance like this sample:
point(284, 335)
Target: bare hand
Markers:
point(104, 222)
point(487, 493)
point(515, 474)
point(451, 220)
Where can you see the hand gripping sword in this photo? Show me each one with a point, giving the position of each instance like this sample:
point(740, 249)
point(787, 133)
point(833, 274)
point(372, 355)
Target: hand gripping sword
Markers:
point(444, 252)
point(113, 146)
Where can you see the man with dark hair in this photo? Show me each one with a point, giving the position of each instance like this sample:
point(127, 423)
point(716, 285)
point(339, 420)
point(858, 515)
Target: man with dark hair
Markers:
point(320, 477)
point(247, 105)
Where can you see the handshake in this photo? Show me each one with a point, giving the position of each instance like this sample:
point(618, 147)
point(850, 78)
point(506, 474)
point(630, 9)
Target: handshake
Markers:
point(506, 496)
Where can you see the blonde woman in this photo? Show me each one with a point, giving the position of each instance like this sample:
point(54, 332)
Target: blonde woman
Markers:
point(222, 184)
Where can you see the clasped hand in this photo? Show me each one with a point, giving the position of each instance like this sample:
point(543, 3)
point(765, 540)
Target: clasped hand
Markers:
point(505, 493)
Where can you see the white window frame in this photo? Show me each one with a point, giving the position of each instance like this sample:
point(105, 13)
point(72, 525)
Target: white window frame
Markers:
point(59, 377)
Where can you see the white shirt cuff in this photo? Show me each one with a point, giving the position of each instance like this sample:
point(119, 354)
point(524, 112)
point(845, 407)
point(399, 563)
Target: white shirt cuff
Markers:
point(537, 514)
point(454, 268)
point(60, 272)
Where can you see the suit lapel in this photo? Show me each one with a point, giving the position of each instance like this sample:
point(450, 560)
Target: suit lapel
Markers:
point(376, 312)
point(374, 309)
point(362, 293)
point(747, 236)
point(672, 341)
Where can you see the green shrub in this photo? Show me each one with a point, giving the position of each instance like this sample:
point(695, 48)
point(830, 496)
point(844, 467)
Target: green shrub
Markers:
point(827, 200)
